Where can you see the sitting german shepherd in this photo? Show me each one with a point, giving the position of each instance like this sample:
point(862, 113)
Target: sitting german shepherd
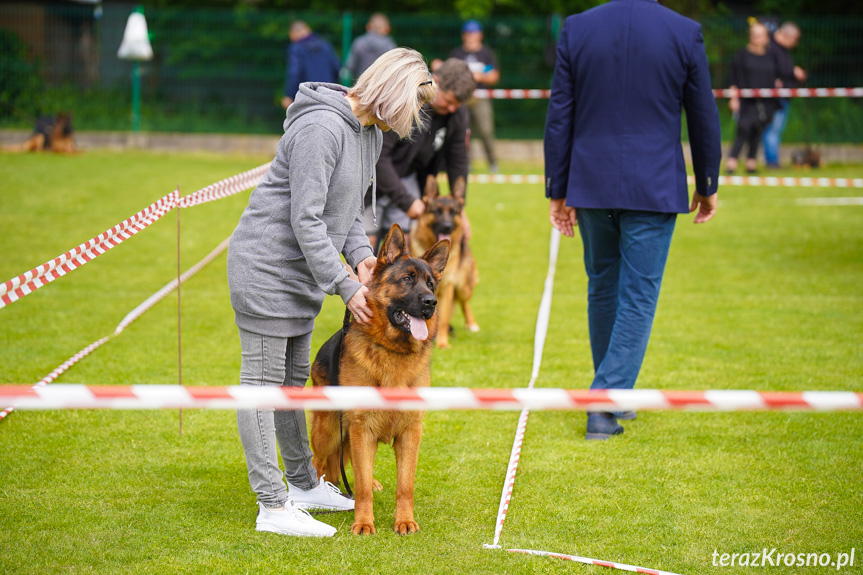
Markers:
point(54, 134)
point(443, 220)
point(392, 350)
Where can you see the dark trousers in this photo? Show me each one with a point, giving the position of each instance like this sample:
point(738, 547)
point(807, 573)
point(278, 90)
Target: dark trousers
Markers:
point(750, 126)
point(624, 256)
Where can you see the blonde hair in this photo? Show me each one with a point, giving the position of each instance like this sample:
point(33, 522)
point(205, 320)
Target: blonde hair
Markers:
point(394, 90)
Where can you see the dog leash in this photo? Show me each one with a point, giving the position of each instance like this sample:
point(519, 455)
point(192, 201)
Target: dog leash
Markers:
point(346, 323)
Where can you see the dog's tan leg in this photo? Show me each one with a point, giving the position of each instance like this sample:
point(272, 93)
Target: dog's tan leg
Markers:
point(445, 295)
point(363, 448)
point(407, 448)
point(325, 444)
point(469, 320)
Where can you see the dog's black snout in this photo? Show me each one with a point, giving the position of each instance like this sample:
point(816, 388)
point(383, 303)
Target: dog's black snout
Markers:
point(428, 301)
point(446, 228)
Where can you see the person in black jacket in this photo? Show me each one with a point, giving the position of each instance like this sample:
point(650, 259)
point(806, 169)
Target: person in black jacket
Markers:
point(782, 42)
point(753, 67)
point(404, 164)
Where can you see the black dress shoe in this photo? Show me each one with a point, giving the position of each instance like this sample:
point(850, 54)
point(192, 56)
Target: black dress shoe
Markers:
point(602, 426)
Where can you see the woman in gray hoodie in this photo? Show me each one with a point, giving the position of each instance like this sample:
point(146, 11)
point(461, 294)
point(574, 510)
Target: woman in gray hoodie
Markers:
point(284, 256)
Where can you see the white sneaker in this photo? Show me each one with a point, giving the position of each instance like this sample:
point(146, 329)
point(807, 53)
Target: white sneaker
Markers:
point(324, 497)
point(292, 521)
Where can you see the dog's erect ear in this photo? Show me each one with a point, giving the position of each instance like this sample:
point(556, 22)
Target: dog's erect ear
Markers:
point(459, 188)
point(437, 256)
point(393, 246)
point(430, 190)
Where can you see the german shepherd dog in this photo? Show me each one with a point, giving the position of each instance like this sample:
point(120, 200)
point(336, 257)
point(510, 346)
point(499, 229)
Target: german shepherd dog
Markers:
point(54, 134)
point(443, 220)
point(393, 350)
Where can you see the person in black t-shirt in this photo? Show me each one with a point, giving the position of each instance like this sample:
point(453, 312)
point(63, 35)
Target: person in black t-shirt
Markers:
point(486, 72)
point(404, 165)
point(754, 68)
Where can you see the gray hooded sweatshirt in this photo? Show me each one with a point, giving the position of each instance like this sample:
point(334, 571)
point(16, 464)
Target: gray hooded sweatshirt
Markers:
point(308, 208)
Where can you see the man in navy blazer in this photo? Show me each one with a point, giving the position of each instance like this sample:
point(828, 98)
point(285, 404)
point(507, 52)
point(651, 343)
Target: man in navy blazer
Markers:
point(614, 167)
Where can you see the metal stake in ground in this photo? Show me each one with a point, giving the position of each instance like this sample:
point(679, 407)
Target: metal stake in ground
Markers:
point(179, 314)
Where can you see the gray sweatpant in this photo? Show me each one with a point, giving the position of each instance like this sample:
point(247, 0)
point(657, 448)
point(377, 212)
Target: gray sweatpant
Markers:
point(271, 360)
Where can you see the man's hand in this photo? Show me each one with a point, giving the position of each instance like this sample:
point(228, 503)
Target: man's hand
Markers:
point(358, 306)
point(706, 206)
point(365, 269)
point(799, 74)
point(562, 217)
point(417, 209)
point(286, 102)
point(734, 104)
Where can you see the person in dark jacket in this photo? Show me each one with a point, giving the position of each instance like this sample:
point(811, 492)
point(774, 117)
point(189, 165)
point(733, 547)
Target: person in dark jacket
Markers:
point(614, 167)
point(404, 165)
point(310, 58)
point(753, 67)
point(782, 42)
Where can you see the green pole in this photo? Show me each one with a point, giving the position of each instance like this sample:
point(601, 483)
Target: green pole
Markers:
point(136, 96)
point(347, 38)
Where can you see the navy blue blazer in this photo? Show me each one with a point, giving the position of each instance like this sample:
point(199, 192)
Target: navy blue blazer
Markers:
point(625, 71)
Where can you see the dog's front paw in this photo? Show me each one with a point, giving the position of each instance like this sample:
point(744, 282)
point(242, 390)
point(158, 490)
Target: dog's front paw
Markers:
point(473, 327)
point(376, 485)
point(363, 528)
point(442, 344)
point(406, 527)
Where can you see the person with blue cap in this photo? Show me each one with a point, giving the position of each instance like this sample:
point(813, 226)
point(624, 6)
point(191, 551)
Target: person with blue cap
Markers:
point(486, 72)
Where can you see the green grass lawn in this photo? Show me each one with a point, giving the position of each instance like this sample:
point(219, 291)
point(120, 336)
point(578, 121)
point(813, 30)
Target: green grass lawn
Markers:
point(768, 296)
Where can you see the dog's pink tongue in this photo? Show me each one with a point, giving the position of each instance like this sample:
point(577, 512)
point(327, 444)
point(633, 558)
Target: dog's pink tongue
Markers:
point(443, 237)
point(419, 329)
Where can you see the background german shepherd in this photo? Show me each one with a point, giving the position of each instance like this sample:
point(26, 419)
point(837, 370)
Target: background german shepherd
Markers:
point(443, 220)
point(392, 350)
point(54, 134)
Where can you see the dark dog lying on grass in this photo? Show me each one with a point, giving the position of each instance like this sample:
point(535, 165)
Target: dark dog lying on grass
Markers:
point(53, 134)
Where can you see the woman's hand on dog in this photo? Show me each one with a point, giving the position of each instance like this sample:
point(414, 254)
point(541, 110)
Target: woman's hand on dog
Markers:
point(365, 270)
point(359, 307)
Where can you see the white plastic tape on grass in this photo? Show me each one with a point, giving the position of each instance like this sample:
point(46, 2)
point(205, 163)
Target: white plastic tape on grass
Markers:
point(542, 319)
point(589, 561)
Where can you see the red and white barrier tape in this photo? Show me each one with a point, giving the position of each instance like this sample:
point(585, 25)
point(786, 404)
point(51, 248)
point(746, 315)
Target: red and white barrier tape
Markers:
point(516, 94)
point(790, 93)
point(225, 188)
point(483, 94)
point(767, 181)
point(79, 396)
point(130, 317)
point(589, 561)
point(32, 280)
point(770, 181)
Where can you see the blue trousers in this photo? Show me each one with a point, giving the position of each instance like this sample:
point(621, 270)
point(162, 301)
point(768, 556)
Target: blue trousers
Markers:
point(624, 255)
point(772, 136)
